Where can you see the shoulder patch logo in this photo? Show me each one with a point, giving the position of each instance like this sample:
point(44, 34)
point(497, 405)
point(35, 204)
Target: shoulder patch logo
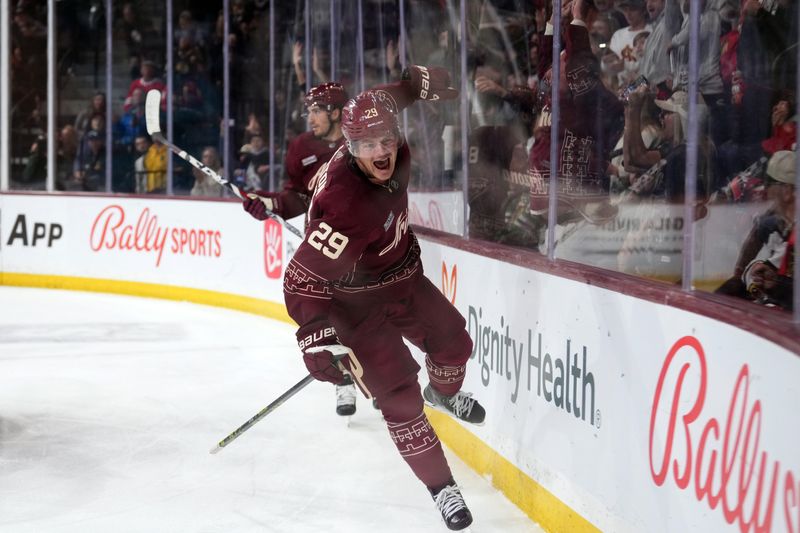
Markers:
point(388, 221)
point(310, 160)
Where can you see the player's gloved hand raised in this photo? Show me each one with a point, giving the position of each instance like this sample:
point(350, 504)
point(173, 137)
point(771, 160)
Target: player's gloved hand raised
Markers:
point(321, 353)
point(258, 203)
point(430, 83)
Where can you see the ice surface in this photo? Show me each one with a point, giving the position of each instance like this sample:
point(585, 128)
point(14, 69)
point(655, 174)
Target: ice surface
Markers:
point(109, 406)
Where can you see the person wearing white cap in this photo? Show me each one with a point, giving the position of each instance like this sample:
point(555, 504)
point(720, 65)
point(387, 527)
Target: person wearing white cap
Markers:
point(769, 281)
point(666, 163)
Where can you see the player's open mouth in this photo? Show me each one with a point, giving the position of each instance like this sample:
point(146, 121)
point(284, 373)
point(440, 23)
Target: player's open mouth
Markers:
point(381, 164)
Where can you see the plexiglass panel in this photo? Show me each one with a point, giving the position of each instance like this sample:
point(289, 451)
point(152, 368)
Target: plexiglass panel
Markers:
point(28, 98)
point(430, 37)
point(503, 91)
point(749, 86)
point(624, 150)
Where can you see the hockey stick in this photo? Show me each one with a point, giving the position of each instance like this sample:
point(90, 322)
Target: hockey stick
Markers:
point(338, 352)
point(152, 110)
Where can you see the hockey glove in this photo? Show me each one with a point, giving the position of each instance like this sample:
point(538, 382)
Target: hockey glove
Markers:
point(258, 203)
point(430, 83)
point(321, 353)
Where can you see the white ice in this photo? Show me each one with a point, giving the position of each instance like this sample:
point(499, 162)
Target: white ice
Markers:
point(109, 406)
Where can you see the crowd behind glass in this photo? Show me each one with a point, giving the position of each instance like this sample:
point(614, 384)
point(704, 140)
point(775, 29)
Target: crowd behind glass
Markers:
point(623, 132)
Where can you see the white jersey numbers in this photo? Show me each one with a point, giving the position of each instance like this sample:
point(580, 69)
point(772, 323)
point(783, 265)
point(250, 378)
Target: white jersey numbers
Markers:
point(330, 243)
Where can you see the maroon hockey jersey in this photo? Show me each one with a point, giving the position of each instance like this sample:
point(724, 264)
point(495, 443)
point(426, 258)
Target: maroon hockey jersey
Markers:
point(305, 155)
point(359, 246)
point(591, 122)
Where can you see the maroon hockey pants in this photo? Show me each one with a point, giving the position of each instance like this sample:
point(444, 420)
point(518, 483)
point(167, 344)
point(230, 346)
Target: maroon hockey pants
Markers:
point(382, 365)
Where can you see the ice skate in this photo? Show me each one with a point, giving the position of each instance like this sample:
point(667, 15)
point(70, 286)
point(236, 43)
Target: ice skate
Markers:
point(451, 504)
point(460, 405)
point(346, 397)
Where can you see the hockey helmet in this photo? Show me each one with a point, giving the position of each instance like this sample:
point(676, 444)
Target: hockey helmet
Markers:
point(329, 95)
point(369, 115)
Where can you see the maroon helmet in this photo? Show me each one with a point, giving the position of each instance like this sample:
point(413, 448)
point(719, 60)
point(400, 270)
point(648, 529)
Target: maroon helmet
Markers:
point(368, 115)
point(329, 95)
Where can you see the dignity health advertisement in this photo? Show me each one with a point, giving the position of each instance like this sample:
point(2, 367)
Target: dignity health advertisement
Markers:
point(637, 416)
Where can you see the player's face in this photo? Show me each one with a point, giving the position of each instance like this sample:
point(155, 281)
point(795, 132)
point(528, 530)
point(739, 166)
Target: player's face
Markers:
point(318, 121)
point(376, 156)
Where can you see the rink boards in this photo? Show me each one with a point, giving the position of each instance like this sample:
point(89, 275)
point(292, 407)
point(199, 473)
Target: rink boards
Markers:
point(605, 412)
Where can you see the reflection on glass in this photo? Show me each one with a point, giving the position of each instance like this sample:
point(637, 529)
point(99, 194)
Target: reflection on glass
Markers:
point(505, 103)
point(28, 96)
point(622, 135)
point(751, 212)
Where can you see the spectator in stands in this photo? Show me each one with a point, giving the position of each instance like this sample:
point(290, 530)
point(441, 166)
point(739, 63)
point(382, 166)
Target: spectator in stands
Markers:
point(36, 165)
point(600, 35)
point(132, 122)
point(318, 65)
point(622, 41)
point(189, 56)
point(488, 105)
point(258, 163)
point(253, 127)
point(97, 106)
point(767, 40)
point(784, 125)
point(666, 162)
point(189, 104)
point(96, 123)
point(148, 81)
point(769, 281)
point(203, 184)
point(29, 32)
point(134, 35)
point(141, 144)
point(710, 78)
point(665, 19)
point(744, 165)
point(90, 167)
point(155, 163)
point(639, 44)
point(66, 154)
point(621, 174)
point(151, 166)
point(591, 122)
point(605, 8)
point(188, 28)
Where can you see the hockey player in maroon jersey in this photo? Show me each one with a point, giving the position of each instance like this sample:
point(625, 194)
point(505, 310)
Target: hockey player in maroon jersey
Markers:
point(306, 153)
point(357, 281)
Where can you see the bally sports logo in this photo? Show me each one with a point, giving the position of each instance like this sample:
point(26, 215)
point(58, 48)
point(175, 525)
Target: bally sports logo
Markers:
point(449, 282)
point(273, 249)
point(111, 230)
point(725, 466)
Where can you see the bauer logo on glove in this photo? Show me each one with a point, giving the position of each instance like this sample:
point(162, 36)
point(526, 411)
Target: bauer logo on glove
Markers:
point(430, 83)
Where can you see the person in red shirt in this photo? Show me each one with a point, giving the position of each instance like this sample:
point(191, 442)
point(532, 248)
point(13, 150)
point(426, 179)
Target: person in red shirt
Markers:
point(306, 153)
point(357, 281)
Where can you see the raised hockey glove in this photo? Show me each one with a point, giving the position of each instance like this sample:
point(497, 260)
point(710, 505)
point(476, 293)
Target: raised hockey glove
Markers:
point(321, 353)
point(258, 203)
point(430, 83)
